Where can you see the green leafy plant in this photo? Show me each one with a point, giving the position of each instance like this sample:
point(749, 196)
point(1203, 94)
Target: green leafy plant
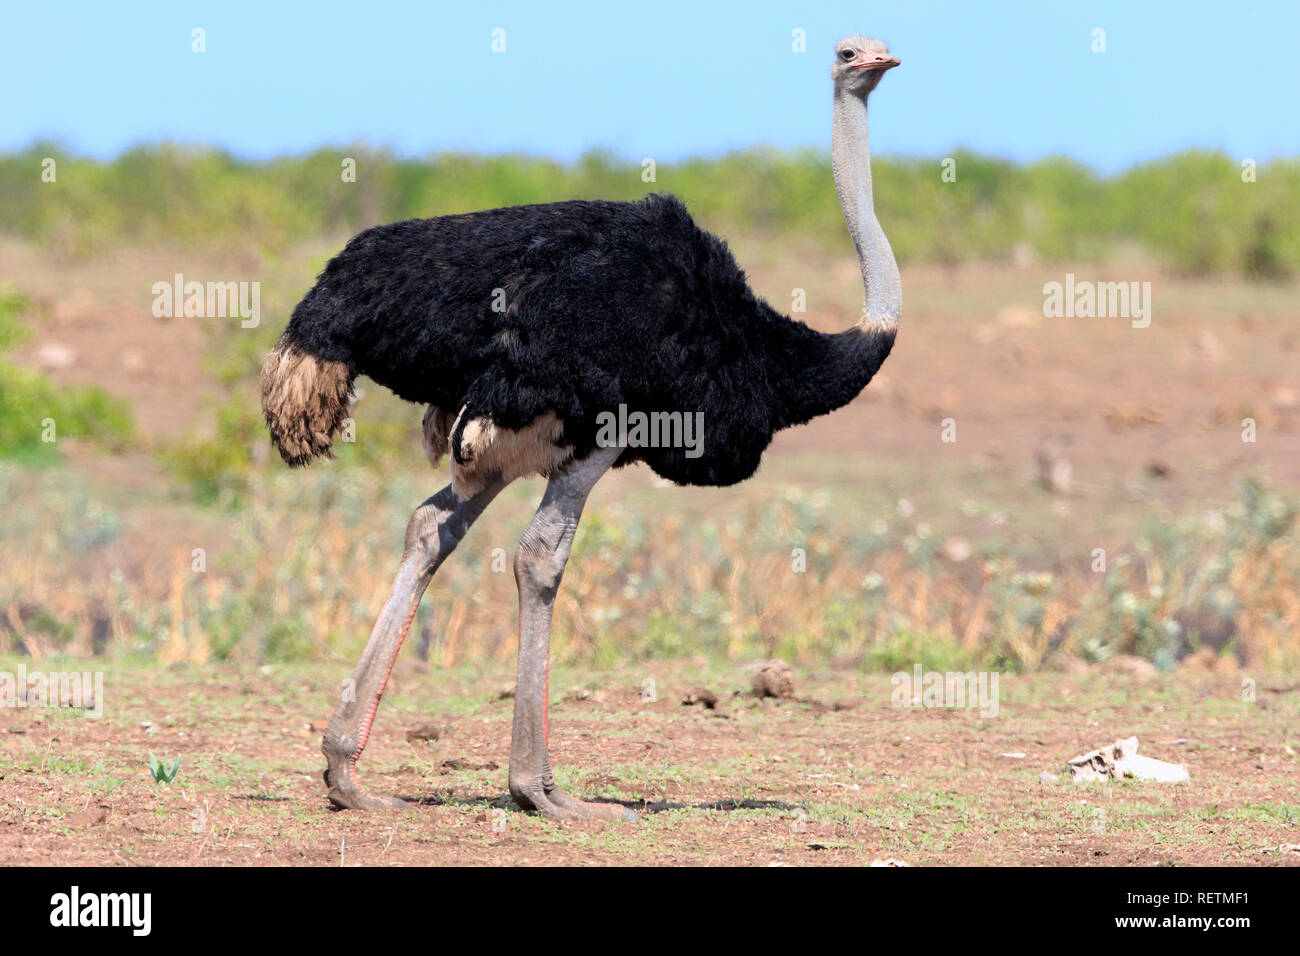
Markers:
point(27, 399)
point(162, 774)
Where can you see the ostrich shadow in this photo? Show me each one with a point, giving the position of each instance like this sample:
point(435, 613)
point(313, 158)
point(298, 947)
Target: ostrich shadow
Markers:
point(506, 802)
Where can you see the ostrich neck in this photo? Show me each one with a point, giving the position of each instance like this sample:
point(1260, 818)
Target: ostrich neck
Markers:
point(851, 166)
point(813, 372)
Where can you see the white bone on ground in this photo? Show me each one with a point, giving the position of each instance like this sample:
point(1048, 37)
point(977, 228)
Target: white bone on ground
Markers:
point(1121, 759)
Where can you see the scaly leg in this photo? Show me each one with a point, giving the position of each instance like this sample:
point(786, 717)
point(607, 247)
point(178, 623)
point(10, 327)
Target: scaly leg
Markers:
point(434, 530)
point(539, 565)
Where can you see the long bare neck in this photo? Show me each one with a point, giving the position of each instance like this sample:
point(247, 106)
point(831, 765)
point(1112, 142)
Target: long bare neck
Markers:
point(813, 372)
point(882, 301)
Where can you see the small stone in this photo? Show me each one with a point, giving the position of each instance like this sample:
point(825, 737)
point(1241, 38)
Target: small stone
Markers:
point(54, 356)
point(774, 679)
point(87, 818)
point(701, 695)
point(956, 549)
point(424, 732)
point(1285, 397)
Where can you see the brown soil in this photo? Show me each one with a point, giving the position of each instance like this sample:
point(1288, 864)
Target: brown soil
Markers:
point(755, 782)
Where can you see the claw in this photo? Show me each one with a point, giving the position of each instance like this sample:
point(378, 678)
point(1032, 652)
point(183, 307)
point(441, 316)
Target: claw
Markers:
point(356, 800)
point(558, 805)
point(348, 796)
point(586, 810)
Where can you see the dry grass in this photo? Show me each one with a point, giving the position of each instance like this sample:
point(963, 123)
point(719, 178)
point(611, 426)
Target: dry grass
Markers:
point(301, 570)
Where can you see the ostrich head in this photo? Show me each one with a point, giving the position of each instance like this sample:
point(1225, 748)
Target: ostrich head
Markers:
point(860, 62)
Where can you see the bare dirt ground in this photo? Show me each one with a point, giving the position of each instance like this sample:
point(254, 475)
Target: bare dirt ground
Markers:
point(839, 777)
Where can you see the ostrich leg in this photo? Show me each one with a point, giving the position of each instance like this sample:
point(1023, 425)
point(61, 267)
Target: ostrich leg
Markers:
point(539, 565)
point(434, 530)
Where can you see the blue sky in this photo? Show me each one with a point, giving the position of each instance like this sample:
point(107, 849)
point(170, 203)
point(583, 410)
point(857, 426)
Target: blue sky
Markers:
point(662, 78)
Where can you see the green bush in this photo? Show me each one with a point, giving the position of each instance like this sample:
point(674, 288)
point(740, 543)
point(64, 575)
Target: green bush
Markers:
point(30, 404)
point(1193, 209)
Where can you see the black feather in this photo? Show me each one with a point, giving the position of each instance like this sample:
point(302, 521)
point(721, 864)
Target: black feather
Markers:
point(605, 303)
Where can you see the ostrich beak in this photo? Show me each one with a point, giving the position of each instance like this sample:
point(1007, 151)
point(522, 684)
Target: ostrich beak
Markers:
point(879, 61)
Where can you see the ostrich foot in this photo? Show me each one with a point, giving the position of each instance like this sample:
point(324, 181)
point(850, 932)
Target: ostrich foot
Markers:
point(346, 794)
point(544, 797)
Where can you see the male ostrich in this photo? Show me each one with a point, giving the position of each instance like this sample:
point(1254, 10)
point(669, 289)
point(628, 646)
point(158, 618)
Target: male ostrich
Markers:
point(605, 304)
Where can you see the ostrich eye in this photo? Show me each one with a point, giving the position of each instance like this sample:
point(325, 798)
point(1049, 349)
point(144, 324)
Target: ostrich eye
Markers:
point(846, 55)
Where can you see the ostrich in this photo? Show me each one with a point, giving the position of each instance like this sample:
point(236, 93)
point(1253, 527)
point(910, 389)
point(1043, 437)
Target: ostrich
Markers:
point(518, 327)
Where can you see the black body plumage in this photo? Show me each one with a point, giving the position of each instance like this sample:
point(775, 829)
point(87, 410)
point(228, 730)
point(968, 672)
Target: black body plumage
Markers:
point(598, 304)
